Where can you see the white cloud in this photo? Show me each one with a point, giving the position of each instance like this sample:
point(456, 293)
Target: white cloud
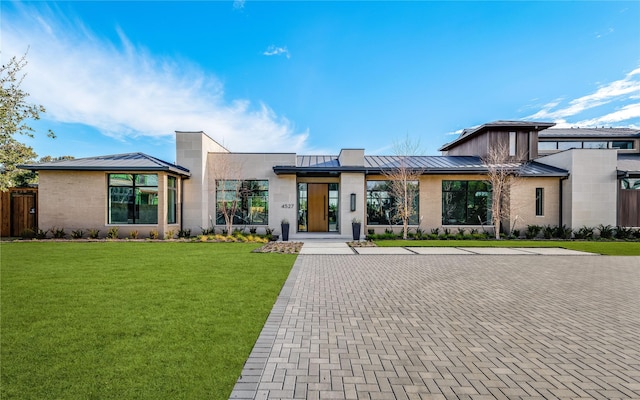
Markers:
point(626, 113)
point(124, 91)
point(276, 51)
point(599, 102)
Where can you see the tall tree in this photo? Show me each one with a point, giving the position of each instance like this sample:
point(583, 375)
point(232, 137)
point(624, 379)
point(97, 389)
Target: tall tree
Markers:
point(15, 112)
point(403, 181)
point(502, 174)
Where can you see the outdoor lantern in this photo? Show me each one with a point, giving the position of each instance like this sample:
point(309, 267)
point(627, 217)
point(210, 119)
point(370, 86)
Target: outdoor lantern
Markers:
point(353, 201)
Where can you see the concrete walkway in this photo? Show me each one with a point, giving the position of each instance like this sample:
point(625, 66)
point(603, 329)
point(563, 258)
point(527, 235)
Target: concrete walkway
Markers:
point(451, 327)
point(332, 246)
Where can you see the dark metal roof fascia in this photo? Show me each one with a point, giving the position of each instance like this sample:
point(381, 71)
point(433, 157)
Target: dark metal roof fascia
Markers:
point(178, 170)
point(278, 170)
point(284, 169)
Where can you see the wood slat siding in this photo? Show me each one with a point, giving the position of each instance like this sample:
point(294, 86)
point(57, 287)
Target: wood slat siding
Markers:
point(629, 208)
point(526, 144)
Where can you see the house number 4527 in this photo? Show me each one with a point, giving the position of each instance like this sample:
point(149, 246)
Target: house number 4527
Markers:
point(288, 205)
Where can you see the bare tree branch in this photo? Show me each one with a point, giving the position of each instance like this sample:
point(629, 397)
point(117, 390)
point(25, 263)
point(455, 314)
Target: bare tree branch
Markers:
point(502, 174)
point(229, 188)
point(403, 180)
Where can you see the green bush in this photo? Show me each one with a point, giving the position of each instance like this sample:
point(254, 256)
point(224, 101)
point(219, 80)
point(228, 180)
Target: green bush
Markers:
point(94, 233)
point(186, 233)
point(58, 233)
point(585, 233)
point(532, 231)
point(562, 232)
point(623, 232)
point(77, 234)
point(606, 231)
point(112, 233)
point(28, 234)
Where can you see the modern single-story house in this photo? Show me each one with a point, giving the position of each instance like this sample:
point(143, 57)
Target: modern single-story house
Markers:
point(320, 195)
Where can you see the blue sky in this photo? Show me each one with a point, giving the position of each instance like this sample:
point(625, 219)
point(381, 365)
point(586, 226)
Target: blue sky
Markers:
point(315, 77)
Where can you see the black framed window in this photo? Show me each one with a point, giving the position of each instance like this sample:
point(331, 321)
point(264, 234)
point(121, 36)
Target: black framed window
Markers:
point(172, 200)
point(133, 198)
point(251, 198)
point(466, 203)
point(539, 202)
point(381, 204)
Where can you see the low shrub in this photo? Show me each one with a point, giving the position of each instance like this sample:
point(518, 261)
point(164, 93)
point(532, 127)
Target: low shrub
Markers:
point(208, 231)
point(41, 234)
point(562, 232)
point(112, 233)
point(532, 231)
point(58, 233)
point(623, 233)
point(133, 234)
point(606, 231)
point(169, 234)
point(94, 233)
point(584, 233)
point(184, 233)
point(77, 234)
point(28, 234)
point(153, 234)
point(548, 231)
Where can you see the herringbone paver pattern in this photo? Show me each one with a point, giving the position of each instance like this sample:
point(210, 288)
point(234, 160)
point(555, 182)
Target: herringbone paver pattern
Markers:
point(452, 327)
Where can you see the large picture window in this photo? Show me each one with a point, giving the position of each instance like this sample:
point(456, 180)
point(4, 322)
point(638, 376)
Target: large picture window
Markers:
point(251, 198)
point(466, 203)
point(381, 205)
point(133, 198)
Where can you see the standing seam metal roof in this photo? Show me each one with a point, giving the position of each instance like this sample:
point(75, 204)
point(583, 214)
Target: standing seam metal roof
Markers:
point(427, 164)
point(116, 162)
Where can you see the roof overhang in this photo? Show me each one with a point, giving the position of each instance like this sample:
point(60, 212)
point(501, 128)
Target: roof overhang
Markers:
point(530, 170)
point(35, 167)
point(497, 126)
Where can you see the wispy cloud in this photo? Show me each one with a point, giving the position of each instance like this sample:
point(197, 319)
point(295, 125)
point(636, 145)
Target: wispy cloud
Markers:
point(276, 51)
point(124, 91)
point(238, 4)
point(606, 33)
point(616, 92)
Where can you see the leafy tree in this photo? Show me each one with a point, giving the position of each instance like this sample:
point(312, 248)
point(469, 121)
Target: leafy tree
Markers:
point(24, 177)
point(15, 112)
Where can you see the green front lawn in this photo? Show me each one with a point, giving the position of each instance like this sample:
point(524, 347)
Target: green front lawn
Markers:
point(114, 320)
point(600, 247)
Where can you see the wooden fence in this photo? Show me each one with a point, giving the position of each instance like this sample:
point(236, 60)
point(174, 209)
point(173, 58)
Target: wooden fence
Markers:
point(18, 209)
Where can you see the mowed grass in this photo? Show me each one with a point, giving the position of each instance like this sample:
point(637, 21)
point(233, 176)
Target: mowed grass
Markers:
point(122, 320)
point(599, 247)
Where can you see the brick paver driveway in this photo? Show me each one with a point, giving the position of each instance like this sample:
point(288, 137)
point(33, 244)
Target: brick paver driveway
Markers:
point(451, 327)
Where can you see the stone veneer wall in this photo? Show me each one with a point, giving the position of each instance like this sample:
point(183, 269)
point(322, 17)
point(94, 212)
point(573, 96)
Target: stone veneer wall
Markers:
point(590, 192)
